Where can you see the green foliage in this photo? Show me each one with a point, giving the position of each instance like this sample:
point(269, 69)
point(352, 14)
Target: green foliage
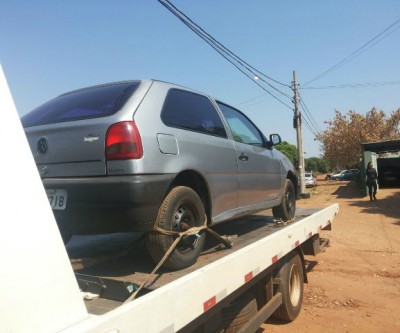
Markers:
point(316, 164)
point(289, 150)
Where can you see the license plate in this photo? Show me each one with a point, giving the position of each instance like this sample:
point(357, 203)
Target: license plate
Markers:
point(57, 199)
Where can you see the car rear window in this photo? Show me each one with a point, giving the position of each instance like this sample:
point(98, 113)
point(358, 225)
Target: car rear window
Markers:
point(93, 102)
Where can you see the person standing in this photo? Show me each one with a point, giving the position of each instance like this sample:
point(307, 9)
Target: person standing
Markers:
point(372, 180)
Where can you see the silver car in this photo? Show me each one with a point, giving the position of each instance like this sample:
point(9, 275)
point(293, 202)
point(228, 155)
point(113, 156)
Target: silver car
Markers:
point(149, 155)
point(310, 180)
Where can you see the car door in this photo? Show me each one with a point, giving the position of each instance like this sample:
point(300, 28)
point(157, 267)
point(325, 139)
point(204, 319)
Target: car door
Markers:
point(259, 167)
point(191, 136)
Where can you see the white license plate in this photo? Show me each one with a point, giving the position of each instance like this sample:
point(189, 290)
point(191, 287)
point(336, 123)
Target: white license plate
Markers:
point(57, 199)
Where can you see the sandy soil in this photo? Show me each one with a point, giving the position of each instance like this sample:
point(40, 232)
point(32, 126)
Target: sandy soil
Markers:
point(355, 284)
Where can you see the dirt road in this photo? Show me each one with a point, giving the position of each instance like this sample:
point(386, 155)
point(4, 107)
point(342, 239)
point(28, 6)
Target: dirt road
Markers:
point(355, 285)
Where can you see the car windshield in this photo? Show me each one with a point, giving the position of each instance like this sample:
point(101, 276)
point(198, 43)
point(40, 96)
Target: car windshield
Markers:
point(308, 175)
point(94, 102)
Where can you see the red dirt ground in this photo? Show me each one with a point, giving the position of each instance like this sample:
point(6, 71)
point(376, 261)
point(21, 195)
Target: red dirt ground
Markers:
point(355, 284)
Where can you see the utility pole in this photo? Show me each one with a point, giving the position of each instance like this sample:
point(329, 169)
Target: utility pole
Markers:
point(297, 125)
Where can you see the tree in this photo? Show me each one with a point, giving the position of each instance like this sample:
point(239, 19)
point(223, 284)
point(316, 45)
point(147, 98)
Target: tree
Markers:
point(345, 133)
point(289, 150)
point(316, 164)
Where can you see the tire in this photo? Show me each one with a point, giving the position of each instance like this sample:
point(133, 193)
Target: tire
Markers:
point(291, 276)
point(239, 312)
point(181, 209)
point(287, 208)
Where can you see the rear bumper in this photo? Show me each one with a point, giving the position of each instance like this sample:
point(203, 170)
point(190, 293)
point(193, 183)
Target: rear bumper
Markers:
point(110, 204)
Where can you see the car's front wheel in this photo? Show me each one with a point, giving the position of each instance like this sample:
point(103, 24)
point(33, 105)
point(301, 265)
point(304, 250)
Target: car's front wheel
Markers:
point(181, 210)
point(286, 210)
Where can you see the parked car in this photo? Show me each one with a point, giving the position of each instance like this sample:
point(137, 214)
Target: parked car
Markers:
point(140, 155)
point(310, 180)
point(351, 174)
point(336, 175)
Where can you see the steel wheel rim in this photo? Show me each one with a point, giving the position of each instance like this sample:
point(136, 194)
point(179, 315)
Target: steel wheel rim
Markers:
point(289, 201)
point(295, 285)
point(184, 218)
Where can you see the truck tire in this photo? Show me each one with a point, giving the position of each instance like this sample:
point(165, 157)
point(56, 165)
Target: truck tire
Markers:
point(291, 286)
point(286, 210)
point(181, 209)
point(239, 312)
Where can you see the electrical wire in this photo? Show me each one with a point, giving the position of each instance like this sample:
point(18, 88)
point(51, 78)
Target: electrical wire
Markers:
point(213, 42)
point(355, 85)
point(309, 127)
point(312, 123)
point(359, 51)
point(250, 100)
point(235, 60)
point(219, 44)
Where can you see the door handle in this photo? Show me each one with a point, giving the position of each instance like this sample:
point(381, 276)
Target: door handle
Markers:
point(243, 157)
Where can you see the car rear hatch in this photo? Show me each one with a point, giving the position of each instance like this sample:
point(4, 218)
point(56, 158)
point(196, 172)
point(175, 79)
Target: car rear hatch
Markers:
point(67, 134)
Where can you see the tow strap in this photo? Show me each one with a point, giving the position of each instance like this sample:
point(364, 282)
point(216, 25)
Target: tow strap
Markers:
point(179, 235)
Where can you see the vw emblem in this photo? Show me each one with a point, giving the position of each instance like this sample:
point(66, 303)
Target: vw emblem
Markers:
point(42, 145)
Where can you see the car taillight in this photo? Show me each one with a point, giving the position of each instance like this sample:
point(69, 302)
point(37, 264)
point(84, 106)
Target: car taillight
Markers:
point(123, 142)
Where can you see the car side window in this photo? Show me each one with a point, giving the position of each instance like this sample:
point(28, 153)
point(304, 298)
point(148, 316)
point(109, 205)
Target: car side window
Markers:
point(187, 110)
point(242, 128)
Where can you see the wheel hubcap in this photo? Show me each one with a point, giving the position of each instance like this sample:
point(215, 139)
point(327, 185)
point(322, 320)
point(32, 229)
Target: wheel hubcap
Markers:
point(183, 219)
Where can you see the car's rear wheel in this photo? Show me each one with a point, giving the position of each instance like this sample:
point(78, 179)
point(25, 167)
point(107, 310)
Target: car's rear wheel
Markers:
point(286, 210)
point(181, 210)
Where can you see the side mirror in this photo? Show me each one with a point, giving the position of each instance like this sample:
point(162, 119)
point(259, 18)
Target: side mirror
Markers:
point(275, 139)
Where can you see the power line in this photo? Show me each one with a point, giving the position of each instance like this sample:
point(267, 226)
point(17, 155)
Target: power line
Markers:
point(250, 100)
point(355, 85)
point(359, 51)
point(312, 123)
point(309, 127)
point(216, 41)
point(315, 129)
point(338, 86)
point(239, 63)
point(235, 60)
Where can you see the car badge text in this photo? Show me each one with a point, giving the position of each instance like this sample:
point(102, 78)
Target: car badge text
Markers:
point(90, 138)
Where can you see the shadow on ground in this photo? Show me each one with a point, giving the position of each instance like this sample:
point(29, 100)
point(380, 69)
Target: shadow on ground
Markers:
point(387, 204)
point(349, 190)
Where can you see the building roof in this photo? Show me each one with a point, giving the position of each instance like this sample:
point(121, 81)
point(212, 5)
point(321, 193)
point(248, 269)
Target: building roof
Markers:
point(383, 146)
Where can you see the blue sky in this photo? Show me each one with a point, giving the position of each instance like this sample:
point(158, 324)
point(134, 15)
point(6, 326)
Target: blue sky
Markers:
point(50, 47)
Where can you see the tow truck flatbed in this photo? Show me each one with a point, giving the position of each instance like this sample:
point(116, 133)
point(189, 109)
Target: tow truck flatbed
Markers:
point(113, 266)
